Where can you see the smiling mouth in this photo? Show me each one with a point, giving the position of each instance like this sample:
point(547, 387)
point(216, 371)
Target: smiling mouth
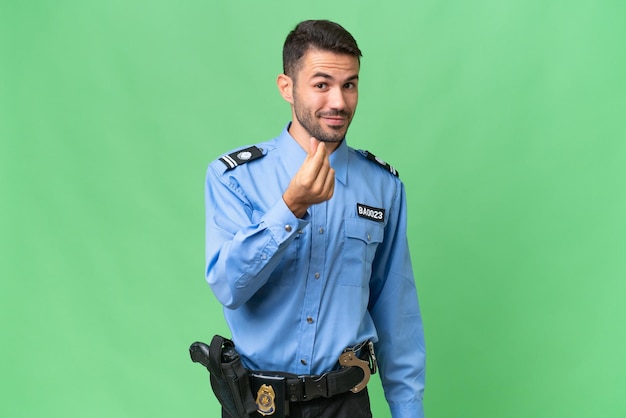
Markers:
point(335, 121)
point(334, 114)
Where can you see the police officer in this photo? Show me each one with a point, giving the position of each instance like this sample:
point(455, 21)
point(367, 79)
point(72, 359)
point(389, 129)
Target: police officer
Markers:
point(306, 249)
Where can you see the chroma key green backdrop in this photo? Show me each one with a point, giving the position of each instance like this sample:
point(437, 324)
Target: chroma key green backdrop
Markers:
point(505, 120)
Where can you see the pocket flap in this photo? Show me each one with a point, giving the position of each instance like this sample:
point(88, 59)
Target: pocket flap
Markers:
point(366, 231)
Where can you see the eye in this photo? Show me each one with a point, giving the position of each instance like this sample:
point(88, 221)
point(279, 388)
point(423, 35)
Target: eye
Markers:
point(320, 86)
point(349, 85)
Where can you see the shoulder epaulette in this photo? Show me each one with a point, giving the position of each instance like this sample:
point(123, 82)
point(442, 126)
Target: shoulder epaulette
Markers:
point(380, 162)
point(242, 156)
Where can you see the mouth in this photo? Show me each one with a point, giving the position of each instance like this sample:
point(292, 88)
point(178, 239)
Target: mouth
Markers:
point(334, 121)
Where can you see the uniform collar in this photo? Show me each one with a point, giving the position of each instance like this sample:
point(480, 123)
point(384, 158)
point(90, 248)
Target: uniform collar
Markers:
point(339, 161)
point(292, 155)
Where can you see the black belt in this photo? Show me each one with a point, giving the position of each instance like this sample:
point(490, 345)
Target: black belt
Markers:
point(305, 388)
point(357, 363)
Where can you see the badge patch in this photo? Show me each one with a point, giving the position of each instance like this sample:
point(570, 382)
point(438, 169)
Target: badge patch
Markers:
point(241, 157)
point(265, 400)
point(380, 162)
point(368, 212)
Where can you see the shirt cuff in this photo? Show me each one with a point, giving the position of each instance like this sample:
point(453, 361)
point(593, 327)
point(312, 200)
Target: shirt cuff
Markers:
point(407, 410)
point(282, 223)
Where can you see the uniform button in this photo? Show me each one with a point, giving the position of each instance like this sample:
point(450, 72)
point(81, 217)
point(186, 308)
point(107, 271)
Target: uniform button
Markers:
point(309, 320)
point(303, 361)
point(369, 238)
point(317, 275)
point(288, 228)
point(321, 230)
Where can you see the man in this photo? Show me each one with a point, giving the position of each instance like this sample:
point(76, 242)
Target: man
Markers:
point(306, 248)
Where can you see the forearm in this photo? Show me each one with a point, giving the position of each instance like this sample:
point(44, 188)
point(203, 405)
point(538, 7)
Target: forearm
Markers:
point(241, 255)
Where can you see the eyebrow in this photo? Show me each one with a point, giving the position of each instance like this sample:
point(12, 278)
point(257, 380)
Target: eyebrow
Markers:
point(329, 77)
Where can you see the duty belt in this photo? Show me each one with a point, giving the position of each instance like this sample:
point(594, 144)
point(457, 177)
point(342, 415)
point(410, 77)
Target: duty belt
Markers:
point(357, 363)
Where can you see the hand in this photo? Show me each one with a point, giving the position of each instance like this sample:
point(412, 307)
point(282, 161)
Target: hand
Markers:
point(313, 183)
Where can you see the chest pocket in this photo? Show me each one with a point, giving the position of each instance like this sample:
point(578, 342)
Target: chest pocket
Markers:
point(359, 248)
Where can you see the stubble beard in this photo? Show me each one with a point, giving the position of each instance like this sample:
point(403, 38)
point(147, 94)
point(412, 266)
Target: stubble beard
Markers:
point(311, 123)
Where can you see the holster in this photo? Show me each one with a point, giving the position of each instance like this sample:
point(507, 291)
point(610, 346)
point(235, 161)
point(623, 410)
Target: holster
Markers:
point(234, 385)
point(229, 379)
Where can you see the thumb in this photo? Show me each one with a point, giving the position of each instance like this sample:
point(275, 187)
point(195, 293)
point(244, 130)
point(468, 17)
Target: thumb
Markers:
point(313, 144)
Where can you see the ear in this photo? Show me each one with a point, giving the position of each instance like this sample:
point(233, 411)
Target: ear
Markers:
point(285, 87)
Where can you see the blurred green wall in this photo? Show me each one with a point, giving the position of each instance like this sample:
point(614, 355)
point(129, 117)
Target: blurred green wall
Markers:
point(505, 120)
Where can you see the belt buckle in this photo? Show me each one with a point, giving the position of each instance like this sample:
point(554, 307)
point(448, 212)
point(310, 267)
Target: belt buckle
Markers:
point(314, 387)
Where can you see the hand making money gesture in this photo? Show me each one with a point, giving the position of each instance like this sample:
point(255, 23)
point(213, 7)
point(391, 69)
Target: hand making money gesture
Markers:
point(313, 183)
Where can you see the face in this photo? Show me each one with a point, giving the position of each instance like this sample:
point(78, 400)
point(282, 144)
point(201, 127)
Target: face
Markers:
point(324, 96)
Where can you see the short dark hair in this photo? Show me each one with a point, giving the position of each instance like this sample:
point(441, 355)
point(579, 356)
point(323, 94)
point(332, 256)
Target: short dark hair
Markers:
point(316, 34)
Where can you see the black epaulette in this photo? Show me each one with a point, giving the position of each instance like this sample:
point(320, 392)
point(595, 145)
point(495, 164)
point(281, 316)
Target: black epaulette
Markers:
point(380, 162)
point(242, 156)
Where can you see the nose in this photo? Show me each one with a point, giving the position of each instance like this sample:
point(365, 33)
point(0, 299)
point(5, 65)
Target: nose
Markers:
point(336, 99)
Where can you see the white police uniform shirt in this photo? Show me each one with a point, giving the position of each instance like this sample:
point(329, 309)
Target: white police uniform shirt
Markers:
point(297, 292)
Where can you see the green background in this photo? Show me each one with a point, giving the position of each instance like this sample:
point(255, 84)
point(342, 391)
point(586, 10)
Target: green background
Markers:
point(505, 120)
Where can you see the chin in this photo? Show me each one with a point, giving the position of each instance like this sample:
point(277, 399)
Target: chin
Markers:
point(331, 140)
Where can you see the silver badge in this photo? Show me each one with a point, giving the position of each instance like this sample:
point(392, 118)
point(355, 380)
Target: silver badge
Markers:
point(244, 155)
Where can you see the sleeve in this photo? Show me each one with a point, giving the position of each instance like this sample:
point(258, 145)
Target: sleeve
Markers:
point(243, 245)
point(395, 310)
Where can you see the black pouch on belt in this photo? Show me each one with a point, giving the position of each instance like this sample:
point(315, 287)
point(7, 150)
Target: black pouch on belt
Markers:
point(229, 379)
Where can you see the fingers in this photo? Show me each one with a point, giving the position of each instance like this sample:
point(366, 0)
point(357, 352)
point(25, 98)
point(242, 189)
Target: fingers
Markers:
point(313, 144)
point(317, 150)
point(317, 161)
point(321, 158)
point(314, 182)
point(320, 179)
